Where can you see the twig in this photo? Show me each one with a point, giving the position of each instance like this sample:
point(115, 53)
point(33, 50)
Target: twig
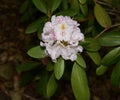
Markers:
point(112, 26)
point(86, 19)
point(94, 1)
point(113, 9)
point(31, 98)
point(105, 4)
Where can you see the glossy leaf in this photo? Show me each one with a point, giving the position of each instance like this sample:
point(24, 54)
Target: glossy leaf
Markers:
point(90, 27)
point(111, 38)
point(50, 66)
point(65, 4)
point(55, 4)
point(102, 16)
point(27, 66)
point(75, 5)
point(93, 45)
point(80, 17)
point(27, 16)
point(36, 52)
point(84, 9)
point(84, 43)
point(82, 1)
point(42, 84)
point(95, 56)
point(111, 57)
point(24, 6)
point(115, 77)
point(27, 77)
point(59, 68)
point(51, 86)
point(81, 61)
point(79, 83)
point(68, 12)
point(40, 28)
point(32, 27)
point(115, 3)
point(36, 25)
point(101, 70)
point(40, 5)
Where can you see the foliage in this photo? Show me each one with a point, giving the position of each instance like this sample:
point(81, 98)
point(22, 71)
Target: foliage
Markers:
point(100, 29)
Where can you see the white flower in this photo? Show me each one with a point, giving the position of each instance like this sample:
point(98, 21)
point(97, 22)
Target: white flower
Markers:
point(61, 37)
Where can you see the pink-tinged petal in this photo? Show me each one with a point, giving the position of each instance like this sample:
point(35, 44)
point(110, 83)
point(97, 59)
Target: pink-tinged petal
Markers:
point(61, 37)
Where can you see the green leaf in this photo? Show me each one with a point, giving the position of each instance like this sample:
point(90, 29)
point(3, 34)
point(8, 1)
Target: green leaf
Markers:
point(36, 52)
point(65, 4)
point(68, 12)
point(111, 57)
point(42, 83)
point(50, 66)
point(93, 45)
point(27, 15)
point(59, 68)
point(51, 86)
point(90, 27)
point(79, 83)
point(81, 61)
point(40, 5)
point(101, 70)
point(80, 17)
point(34, 26)
point(24, 6)
point(55, 4)
point(101, 15)
point(95, 56)
point(74, 5)
point(82, 1)
point(84, 43)
point(111, 38)
point(84, 9)
point(40, 28)
point(115, 3)
point(115, 77)
point(27, 66)
point(27, 78)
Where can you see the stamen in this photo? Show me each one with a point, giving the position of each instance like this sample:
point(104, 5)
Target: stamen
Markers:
point(63, 27)
point(65, 43)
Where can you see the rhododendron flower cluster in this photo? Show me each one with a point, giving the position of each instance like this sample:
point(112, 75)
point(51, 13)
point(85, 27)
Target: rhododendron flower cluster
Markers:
point(61, 37)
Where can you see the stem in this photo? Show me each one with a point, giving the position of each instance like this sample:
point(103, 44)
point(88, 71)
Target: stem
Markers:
point(29, 97)
point(94, 1)
point(112, 26)
point(15, 95)
point(86, 19)
point(105, 4)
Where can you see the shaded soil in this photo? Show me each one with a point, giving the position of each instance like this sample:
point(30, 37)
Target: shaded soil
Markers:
point(12, 52)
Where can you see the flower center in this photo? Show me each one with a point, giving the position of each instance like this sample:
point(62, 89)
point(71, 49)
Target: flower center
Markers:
point(63, 27)
point(65, 43)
